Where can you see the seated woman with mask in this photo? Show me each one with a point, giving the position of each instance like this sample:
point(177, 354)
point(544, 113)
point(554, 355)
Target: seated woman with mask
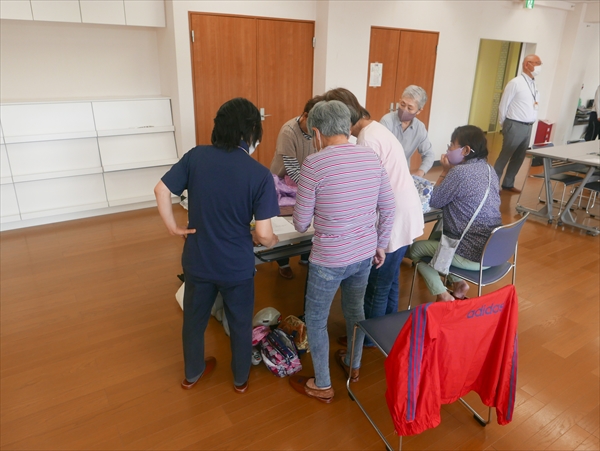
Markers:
point(459, 190)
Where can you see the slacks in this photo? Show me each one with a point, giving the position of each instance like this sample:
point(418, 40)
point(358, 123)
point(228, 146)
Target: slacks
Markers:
point(427, 248)
point(238, 304)
point(515, 142)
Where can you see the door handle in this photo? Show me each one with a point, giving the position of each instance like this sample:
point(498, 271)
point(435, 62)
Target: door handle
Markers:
point(392, 107)
point(263, 115)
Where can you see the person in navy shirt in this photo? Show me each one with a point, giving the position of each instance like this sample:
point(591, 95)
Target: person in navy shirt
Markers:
point(226, 189)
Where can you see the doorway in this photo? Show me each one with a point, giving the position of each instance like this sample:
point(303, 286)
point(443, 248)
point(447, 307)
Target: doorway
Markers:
point(267, 61)
point(497, 63)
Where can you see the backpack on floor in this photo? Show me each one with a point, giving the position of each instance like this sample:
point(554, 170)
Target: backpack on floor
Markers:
point(279, 353)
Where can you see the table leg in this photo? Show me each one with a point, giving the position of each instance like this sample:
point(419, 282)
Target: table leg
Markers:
point(546, 210)
point(566, 217)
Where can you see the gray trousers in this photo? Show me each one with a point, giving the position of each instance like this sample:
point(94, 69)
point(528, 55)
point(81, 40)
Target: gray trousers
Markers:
point(516, 138)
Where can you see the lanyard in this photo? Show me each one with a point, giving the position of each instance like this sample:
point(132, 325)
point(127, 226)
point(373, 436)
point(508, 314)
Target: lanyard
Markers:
point(532, 91)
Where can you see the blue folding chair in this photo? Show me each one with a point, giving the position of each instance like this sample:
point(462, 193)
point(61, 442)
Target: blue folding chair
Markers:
point(499, 257)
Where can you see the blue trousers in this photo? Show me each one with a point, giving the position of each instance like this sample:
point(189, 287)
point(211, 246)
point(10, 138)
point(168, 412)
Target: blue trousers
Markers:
point(238, 304)
point(323, 283)
point(383, 290)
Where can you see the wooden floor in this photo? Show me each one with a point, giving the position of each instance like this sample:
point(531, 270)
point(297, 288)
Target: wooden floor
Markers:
point(91, 351)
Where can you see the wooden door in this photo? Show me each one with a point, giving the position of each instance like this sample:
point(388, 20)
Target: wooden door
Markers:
point(408, 58)
point(416, 65)
point(383, 49)
point(267, 61)
point(223, 66)
point(285, 73)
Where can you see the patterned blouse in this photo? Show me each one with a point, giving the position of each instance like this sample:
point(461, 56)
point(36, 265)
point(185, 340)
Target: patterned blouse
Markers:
point(458, 195)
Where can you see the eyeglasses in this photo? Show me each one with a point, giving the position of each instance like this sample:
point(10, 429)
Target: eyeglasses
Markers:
point(451, 144)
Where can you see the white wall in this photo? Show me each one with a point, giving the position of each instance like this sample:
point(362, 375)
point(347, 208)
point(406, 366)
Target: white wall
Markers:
point(343, 34)
point(44, 60)
point(461, 25)
point(592, 71)
point(61, 61)
point(570, 74)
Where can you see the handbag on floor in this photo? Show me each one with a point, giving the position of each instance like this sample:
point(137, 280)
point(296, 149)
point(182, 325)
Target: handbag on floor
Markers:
point(278, 351)
point(444, 254)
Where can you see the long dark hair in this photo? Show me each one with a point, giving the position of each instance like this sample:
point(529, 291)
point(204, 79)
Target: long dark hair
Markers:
point(238, 119)
point(469, 135)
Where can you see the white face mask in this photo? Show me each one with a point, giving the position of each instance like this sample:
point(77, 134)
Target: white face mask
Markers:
point(253, 147)
point(536, 71)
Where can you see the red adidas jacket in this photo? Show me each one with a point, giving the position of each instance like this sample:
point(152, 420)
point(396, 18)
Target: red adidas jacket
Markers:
point(447, 349)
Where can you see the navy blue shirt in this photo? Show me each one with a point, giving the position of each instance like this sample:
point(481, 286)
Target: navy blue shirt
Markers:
point(225, 189)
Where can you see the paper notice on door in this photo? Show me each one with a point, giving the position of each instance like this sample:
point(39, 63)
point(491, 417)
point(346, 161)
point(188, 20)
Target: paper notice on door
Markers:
point(375, 75)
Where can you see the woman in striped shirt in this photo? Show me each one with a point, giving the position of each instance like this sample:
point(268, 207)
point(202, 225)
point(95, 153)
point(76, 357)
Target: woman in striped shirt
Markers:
point(346, 193)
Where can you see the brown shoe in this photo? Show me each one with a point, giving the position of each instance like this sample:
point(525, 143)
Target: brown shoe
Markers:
point(286, 272)
point(300, 384)
point(241, 388)
point(340, 355)
point(511, 190)
point(210, 362)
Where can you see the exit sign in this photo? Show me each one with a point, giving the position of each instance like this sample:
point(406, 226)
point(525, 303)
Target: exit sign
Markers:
point(529, 4)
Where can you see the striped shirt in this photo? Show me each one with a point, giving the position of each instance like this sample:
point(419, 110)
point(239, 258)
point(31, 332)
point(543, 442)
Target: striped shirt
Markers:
point(348, 193)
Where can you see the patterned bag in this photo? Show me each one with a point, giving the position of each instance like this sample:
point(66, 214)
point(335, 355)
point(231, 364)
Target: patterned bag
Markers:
point(295, 328)
point(442, 259)
point(279, 352)
point(424, 188)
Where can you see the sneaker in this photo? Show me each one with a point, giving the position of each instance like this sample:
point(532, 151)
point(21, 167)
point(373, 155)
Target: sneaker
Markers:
point(256, 357)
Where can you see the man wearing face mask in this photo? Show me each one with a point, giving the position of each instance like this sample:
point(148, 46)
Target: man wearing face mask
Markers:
point(517, 112)
point(409, 130)
point(226, 189)
point(293, 146)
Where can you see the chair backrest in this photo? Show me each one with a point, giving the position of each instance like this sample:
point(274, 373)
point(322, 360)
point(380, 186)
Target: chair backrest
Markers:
point(502, 243)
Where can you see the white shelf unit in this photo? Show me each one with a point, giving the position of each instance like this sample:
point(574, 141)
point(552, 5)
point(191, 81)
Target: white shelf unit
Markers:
point(73, 158)
point(16, 9)
point(145, 13)
point(9, 208)
point(56, 10)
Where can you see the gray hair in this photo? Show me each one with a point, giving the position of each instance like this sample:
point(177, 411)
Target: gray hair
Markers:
point(331, 118)
point(417, 93)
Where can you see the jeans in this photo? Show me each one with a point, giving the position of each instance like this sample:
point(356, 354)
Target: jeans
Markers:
point(383, 289)
point(238, 304)
point(427, 248)
point(323, 283)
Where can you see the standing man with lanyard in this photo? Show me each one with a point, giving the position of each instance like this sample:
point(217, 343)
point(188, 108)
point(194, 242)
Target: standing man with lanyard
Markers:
point(518, 112)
